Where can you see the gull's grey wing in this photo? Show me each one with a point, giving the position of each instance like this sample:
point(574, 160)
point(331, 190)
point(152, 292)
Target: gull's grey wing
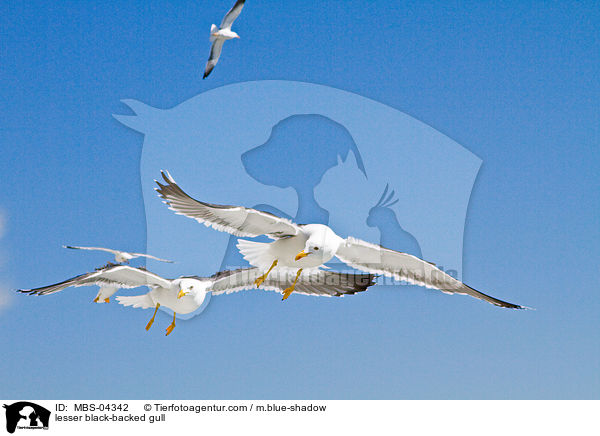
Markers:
point(108, 250)
point(375, 259)
point(213, 58)
point(237, 220)
point(87, 279)
point(318, 282)
point(121, 276)
point(232, 15)
point(152, 257)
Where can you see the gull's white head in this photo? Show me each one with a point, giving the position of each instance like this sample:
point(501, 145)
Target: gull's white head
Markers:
point(194, 288)
point(321, 245)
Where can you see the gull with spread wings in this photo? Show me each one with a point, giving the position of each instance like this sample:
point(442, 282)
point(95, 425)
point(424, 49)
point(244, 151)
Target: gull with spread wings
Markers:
point(120, 256)
point(218, 36)
point(309, 246)
point(187, 293)
point(111, 278)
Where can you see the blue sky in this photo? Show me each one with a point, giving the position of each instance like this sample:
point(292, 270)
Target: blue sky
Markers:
point(515, 83)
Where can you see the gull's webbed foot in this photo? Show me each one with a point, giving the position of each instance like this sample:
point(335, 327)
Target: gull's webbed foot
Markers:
point(153, 316)
point(288, 291)
point(170, 329)
point(171, 326)
point(259, 281)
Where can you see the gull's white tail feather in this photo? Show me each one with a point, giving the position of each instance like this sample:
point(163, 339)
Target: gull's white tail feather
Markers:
point(256, 253)
point(213, 29)
point(141, 301)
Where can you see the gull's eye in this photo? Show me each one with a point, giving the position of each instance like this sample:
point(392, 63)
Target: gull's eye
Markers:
point(316, 248)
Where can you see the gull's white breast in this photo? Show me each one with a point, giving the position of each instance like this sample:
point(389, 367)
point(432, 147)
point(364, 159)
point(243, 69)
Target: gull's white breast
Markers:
point(168, 298)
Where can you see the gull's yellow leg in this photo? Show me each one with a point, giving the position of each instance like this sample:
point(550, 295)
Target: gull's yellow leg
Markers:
point(152, 319)
point(171, 326)
point(96, 299)
point(107, 300)
point(289, 290)
point(262, 278)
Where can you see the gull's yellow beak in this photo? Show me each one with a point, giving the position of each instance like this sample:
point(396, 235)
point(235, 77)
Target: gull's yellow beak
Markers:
point(181, 294)
point(301, 255)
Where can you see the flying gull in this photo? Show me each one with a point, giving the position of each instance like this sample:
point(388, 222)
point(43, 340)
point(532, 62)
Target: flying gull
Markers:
point(307, 246)
point(120, 256)
point(218, 36)
point(111, 278)
point(187, 293)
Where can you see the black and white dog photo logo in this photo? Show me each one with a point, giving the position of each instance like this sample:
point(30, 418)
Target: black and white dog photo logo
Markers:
point(26, 415)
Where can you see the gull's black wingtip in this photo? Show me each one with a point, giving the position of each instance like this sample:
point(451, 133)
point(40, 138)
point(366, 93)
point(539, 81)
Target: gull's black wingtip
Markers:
point(512, 306)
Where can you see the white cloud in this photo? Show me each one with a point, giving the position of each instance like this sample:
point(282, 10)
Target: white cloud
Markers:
point(6, 296)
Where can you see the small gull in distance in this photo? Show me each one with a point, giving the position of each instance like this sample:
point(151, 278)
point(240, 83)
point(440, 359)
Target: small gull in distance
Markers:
point(120, 256)
point(218, 36)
